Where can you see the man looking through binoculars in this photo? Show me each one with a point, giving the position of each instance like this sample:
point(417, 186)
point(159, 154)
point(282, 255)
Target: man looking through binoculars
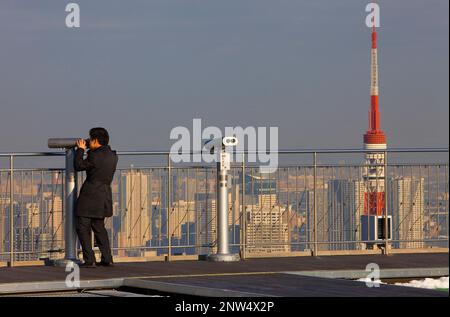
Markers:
point(94, 203)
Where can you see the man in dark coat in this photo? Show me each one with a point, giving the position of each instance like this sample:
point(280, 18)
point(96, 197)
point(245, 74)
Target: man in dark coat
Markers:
point(95, 200)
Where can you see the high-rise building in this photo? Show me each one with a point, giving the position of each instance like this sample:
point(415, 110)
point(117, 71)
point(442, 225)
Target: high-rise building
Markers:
point(206, 220)
point(345, 207)
point(33, 215)
point(134, 209)
point(406, 202)
point(260, 184)
point(322, 219)
point(3, 203)
point(267, 221)
point(182, 212)
point(7, 225)
point(267, 228)
point(55, 210)
point(33, 224)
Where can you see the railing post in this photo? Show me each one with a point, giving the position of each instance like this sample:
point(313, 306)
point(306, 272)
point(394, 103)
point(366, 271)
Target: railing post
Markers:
point(244, 216)
point(11, 210)
point(168, 198)
point(315, 206)
point(386, 219)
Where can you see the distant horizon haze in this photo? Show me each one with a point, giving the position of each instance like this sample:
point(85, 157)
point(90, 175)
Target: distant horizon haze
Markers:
point(141, 68)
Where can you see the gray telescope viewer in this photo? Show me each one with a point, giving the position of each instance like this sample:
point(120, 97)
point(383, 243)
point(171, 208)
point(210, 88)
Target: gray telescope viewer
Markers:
point(70, 238)
point(219, 146)
point(64, 143)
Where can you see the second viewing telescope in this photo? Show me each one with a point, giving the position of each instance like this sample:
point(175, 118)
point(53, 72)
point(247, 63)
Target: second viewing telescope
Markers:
point(64, 143)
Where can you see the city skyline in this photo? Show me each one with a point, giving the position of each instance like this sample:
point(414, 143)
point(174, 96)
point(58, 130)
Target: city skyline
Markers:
point(278, 212)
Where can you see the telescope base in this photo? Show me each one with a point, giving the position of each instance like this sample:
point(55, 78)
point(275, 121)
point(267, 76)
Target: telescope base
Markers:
point(223, 257)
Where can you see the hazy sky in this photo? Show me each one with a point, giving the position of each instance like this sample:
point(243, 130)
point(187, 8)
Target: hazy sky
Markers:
point(140, 68)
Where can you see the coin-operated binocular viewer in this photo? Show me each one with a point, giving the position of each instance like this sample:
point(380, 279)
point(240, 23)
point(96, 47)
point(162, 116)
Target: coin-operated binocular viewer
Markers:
point(70, 238)
point(219, 146)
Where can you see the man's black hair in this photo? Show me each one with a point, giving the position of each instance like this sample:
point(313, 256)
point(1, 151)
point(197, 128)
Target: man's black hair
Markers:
point(100, 134)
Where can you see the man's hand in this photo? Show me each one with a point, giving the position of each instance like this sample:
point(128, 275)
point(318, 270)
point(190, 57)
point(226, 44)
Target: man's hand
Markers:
point(81, 144)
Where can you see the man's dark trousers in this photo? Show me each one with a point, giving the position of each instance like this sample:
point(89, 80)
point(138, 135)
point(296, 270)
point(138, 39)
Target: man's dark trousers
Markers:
point(84, 228)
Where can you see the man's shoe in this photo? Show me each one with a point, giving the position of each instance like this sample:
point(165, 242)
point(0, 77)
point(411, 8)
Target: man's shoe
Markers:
point(101, 263)
point(87, 266)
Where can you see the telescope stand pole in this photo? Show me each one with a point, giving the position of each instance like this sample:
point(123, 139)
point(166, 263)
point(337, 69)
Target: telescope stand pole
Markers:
point(223, 250)
point(71, 198)
point(70, 237)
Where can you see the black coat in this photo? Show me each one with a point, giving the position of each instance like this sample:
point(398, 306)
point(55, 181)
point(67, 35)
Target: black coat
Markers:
point(95, 199)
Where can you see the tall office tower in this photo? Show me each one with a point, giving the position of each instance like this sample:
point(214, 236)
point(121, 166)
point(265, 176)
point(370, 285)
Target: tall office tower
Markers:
point(182, 212)
point(2, 225)
point(266, 229)
point(267, 200)
point(134, 210)
point(33, 215)
point(6, 212)
point(375, 143)
point(3, 203)
point(32, 227)
point(345, 207)
point(267, 226)
point(321, 217)
point(234, 215)
point(406, 202)
point(55, 211)
point(206, 221)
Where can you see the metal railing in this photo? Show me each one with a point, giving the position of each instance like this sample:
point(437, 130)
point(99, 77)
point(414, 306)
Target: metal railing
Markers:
point(312, 204)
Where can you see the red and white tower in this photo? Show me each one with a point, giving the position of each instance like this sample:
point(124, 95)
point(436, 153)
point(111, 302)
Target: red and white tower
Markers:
point(374, 139)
